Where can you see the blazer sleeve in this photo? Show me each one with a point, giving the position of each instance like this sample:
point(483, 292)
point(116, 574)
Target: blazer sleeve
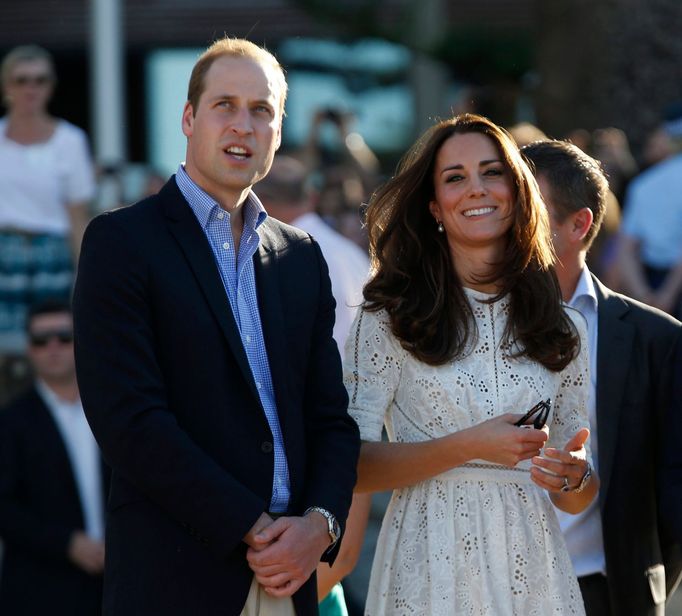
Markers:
point(331, 434)
point(124, 396)
point(671, 462)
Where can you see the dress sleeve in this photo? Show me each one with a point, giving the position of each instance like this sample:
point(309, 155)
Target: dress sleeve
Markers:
point(570, 400)
point(371, 371)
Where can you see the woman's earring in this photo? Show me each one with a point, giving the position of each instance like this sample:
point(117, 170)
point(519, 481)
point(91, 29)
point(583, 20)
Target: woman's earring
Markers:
point(441, 228)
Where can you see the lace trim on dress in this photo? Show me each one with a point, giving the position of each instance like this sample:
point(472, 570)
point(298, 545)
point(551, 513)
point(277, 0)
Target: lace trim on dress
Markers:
point(356, 358)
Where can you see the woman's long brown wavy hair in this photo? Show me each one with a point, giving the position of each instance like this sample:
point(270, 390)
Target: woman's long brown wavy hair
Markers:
point(413, 277)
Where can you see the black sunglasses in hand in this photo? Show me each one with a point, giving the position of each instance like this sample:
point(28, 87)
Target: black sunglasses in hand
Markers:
point(539, 413)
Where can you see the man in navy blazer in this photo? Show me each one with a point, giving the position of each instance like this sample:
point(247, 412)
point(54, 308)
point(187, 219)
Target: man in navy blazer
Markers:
point(52, 483)
point(624, 556)
point(671, 470)
point(209, 374)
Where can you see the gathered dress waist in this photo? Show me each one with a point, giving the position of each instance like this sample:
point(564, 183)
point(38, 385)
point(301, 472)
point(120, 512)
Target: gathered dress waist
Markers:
point(497, 473)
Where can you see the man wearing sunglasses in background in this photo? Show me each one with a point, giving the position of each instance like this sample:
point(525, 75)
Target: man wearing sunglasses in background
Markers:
point(52, 483)
point(624, 560)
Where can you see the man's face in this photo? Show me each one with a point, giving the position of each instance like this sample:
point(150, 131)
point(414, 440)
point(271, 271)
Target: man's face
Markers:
point(50, 347)
point(560, 230)
point(235, 131)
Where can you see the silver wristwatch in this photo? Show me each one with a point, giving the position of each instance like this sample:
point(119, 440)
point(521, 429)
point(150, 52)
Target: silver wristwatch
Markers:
point(332, 525)
point(584, 481)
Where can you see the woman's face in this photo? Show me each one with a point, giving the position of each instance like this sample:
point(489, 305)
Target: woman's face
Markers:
point(28, 86)
point(473, 192)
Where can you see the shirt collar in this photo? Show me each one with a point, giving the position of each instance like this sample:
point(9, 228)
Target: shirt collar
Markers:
point(585, 288)
point(203, 205)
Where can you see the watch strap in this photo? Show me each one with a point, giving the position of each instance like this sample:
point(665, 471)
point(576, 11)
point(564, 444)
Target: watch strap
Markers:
point(333, 527)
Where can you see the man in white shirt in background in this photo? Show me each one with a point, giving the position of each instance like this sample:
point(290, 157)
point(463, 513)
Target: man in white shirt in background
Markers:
point(624, 559)
point(52, 483)
point(650, 245)
point(287, 195)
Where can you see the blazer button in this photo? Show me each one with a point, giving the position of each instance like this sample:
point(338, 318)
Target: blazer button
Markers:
point(266, 447)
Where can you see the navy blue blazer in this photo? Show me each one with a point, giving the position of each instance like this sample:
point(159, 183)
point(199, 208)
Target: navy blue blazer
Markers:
point(671, 475)
point(634, 356)
point(171, 399)
point(40, 508)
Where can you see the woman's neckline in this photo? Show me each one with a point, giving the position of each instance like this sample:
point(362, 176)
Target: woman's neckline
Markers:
point(472, 291)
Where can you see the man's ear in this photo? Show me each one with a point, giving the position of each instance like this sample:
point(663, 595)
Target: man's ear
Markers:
point(582, 223)
point(188, 119)
point(279, 136)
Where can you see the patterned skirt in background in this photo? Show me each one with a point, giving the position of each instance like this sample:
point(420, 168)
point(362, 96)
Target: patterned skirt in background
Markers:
point(33, 268)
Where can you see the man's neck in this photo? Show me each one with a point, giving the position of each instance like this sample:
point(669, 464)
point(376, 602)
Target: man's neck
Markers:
point(568, 270)
point(66, 390)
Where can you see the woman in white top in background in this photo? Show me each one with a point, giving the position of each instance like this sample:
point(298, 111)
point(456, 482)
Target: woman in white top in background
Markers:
point(463, 330)
point(46, 183)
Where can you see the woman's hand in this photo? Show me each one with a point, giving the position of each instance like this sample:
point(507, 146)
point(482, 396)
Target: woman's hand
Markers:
point(565, 468)
point(499, 441)
point(562, 468)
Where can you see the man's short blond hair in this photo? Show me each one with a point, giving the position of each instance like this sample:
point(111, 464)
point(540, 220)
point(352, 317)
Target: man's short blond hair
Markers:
point(232, 47)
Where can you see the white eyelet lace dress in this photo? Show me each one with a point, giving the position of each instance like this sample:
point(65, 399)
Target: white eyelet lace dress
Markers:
point(480, 539)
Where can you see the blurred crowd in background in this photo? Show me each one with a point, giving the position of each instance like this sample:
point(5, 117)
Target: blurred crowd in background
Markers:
point(56, 188)
point(51, 187)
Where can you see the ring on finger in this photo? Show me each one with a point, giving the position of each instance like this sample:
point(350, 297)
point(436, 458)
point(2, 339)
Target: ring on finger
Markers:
point(565, 487)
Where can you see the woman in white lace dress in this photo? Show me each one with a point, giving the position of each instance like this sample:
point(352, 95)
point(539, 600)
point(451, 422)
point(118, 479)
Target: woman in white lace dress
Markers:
point(463, 330)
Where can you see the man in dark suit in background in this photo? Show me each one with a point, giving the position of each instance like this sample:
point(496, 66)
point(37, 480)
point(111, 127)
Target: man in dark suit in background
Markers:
point(622, 555)
point(52, 484)
point(209, 374)
point(671, 472)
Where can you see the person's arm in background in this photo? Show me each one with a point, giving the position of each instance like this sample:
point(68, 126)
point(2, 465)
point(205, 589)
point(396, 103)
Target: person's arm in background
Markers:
point(80, 187)
point(631, 271)
point(350, 549)
point(668, 294)
point(79, 217)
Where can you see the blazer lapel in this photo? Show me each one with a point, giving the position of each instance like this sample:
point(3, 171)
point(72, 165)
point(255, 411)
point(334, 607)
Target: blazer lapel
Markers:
point(188, 233)
point(266, 268)
point(614, 347)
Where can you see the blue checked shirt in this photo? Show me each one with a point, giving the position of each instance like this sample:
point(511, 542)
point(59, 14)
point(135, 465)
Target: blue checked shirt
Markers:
point(239, 281)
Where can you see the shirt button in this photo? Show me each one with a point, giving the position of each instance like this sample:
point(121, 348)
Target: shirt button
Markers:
point(266, 447)
point(259, 385)
point(226, 246)
point(221, 215)
point(248, 338)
